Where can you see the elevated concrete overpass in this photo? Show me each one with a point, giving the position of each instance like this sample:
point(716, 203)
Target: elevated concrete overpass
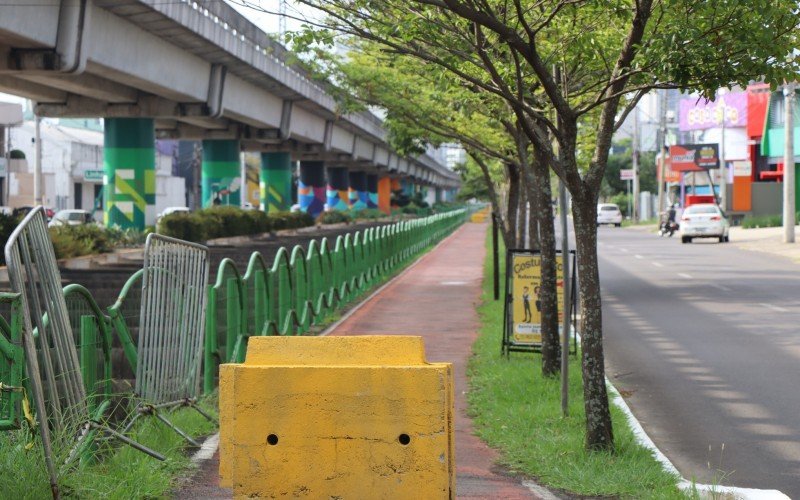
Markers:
point(196, 70)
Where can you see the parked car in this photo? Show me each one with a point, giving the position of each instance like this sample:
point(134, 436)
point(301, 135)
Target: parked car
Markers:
point(704, 220)
point(608, 213)
point(72, 217)
point(170, 211)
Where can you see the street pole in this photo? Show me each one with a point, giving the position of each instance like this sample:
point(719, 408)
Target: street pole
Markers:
point(788, 165)
point(243, 191)
point(723, 166)
point(635, 162)
point(566, 329)
point(495, 258)
point(662, 143)
point(37, 163)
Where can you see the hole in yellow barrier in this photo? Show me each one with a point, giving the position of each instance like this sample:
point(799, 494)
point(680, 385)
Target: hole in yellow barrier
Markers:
point(404, 439)
point(272, 439)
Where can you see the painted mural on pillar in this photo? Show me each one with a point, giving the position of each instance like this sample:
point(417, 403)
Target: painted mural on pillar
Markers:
point(372, 191)
point(359, 198)
point(311, 198)
point(129, 180)
point(338, 199)
point(221, 174)
point(338, 195)
point(276, 182)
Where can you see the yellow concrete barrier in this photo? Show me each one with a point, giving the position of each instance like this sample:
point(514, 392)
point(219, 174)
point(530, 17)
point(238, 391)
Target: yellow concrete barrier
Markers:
point(481, 215)
point(337, 417)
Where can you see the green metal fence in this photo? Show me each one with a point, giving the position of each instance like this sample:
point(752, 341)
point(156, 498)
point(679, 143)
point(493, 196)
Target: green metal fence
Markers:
point(302, 288)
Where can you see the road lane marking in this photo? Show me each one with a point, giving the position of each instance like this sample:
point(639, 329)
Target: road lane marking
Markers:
point(624, 250)
point(773, 307)
point(720, 287)
point(638, 256)
point(658, 264)
point(684, 275)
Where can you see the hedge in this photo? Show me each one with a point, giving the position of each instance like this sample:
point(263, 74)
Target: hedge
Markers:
point(222, 222)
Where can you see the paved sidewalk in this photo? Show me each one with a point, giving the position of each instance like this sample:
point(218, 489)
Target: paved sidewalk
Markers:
point(437, 299)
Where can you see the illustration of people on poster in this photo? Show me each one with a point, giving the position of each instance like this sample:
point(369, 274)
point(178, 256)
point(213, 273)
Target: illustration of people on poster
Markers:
point(526, 319)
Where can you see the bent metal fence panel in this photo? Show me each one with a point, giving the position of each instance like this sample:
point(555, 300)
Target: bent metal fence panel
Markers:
point(171, 327)
point(57, 383)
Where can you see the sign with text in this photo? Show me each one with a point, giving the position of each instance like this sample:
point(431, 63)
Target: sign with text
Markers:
point(742, 168)
point(626, 174)
point(526, 276)
point(522, 325)
point(93, 175)
point(694, 157)
point(700, 114)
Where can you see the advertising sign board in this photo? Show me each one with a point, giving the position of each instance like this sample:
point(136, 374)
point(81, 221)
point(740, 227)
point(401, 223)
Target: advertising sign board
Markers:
point(626, 174)
point(702, 114)
point(694, 157)
point(523, 325)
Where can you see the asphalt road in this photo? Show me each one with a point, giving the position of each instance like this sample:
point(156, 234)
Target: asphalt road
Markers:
point(703, 340)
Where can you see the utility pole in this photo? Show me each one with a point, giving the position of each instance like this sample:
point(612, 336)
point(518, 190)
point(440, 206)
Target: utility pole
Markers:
point(662, 144)
point(37, 163)
point(635, 162)
point(723, 166)
point(788, 165)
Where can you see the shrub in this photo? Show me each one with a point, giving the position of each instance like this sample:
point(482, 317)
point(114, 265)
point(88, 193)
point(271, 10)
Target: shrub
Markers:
point(189, 227)
point(222, 222)
point(74, 241)
point(334, 217)
point(16, 154)
point(290, 220)
point(750, 222)
point(368, 214)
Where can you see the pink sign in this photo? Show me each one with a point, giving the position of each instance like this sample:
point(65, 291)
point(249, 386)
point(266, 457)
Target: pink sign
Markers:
point(702, 114)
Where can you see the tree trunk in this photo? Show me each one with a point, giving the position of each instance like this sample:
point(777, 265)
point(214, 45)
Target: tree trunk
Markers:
point(599, 434)
point(548, 294)
point(513, 206)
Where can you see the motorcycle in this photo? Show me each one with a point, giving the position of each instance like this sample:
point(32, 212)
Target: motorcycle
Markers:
point(667, 227)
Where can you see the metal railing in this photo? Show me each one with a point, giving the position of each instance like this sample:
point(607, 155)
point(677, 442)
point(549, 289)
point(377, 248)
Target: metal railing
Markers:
point(158, 324)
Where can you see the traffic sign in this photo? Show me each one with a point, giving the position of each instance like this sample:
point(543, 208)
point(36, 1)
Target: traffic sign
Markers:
point(626, 174)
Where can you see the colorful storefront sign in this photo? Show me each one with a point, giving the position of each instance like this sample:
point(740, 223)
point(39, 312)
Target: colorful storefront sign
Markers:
point(700, 114)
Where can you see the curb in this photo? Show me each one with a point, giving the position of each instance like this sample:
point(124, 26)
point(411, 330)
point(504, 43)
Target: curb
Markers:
point(684, 484)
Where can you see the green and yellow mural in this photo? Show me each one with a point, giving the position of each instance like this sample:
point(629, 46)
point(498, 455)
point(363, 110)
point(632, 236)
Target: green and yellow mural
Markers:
point(129, 164)
point(222, 178)
point(276, 182)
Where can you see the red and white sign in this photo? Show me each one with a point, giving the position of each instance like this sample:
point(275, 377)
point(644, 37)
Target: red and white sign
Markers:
point(626, 174)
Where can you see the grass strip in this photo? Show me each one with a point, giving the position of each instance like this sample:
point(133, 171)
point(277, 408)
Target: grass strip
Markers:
point(121, 473)
point(518, 411)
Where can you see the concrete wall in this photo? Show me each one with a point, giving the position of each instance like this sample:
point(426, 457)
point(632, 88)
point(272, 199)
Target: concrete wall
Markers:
point(767, 198)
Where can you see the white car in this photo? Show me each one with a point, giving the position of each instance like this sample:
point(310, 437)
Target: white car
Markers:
point(172, 210)
point(71, 218)
point(704, 220)
point(608, 213)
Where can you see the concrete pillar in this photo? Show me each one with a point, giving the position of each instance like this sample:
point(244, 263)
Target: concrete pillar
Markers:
point(358, 190)
point(397, 189)
point(430, 195)
point(221, 175)
point(338, 188)
point(311, 187)
point(372, 191)
point(275, 182)
point(129, 180)
point(439, 198)
point(408, 188)
point(385, 195)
